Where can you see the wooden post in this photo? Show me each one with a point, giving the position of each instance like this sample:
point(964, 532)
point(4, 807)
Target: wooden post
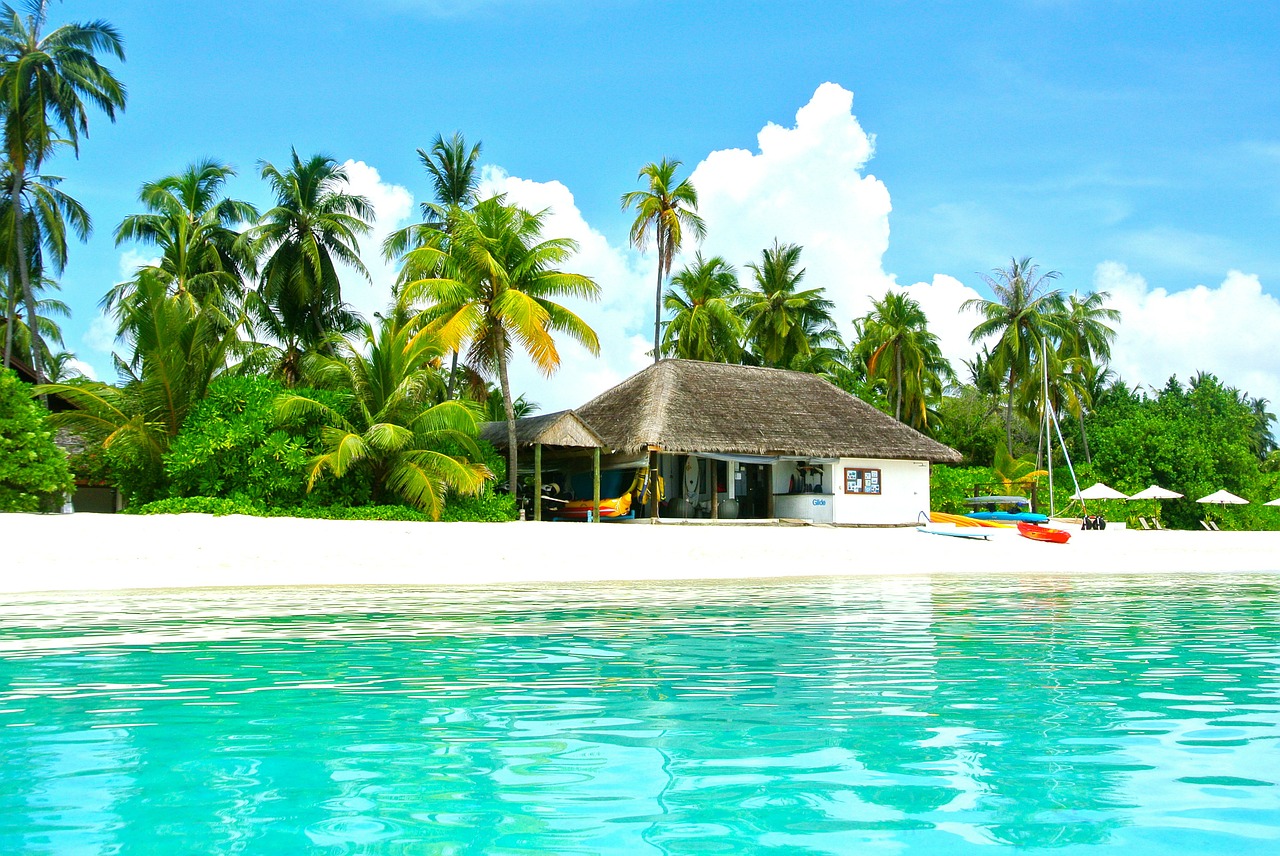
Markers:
point(714, 466)
point(595, 482)
point(768, 491)
point(653, 484)
point(537, 481)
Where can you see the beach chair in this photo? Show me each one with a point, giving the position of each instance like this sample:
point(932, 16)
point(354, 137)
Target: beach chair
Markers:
point(1214, 526)
point(1155, 524)
point(1208, 526)
point(1144, 523)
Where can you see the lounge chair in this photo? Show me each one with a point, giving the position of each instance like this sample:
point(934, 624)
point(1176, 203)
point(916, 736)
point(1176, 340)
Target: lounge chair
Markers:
point(1155, 522)
point(1208, 526)
point(1144, 523)
point(1214, 526)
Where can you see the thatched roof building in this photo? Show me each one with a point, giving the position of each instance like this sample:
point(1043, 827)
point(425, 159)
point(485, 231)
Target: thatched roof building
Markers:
point(686, 406)
point(563, 428)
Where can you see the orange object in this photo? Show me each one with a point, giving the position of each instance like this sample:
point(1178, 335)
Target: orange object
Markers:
point(1036, 532)
point(579, 508)
point(961, 520)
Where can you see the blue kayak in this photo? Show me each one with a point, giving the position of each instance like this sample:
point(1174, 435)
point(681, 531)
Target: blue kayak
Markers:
point(1009, 516)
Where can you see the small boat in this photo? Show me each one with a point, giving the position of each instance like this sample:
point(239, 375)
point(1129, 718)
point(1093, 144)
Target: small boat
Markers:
point(976, 536)
point(1009, 516)
point(1043, 533)
point(1017, 508)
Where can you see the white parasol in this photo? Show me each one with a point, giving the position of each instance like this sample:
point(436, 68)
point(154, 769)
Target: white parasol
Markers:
point(1273, 502)
point(1223, 497)
point(1100, 491)
point(1156, 492)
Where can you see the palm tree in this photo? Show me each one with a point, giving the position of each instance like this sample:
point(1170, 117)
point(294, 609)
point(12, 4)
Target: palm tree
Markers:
point(663, 212)
point(783, 323)
point(46, 213)
point(705, 324)
point(496, 287)
point(45, 82)
point(398, 430)
point(454, 180)
point(18, 332)
point(194, 226)
point(178, 349)
point(1085, 349)
point(1023, 314)
point(314, 225)
point(898, 348)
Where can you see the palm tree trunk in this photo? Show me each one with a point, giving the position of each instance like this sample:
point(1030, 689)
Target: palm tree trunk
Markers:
point(453, 374)
point(657, 299)
point(509, 407)
point(24, 276)
point(897, 367)
point(1088, 457)
point(1008, 416)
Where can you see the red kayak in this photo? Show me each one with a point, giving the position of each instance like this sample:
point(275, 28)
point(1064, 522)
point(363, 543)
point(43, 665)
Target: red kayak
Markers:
point(1036, 532)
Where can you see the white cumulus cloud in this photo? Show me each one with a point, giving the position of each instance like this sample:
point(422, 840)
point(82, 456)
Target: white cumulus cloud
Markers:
point(393, 207)
point(1228, 329)
point(804, 186)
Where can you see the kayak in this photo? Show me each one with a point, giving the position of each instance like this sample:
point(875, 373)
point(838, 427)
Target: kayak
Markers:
point(1043, 533)
point(982, 536)
point(1009, 516)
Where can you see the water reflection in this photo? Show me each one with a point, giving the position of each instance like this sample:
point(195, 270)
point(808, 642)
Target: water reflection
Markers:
point(935, 715)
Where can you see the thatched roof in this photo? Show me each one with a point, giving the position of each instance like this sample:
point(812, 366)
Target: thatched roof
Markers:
point(692, 407)
point(562, 428)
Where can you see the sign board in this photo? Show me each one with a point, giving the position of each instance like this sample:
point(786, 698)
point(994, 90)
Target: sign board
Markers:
point(862, 481)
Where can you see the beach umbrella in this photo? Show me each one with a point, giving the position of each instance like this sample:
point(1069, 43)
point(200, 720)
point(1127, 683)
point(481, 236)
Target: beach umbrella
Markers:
point(1156, 492)
point(1099, 491)
point(1223, 497)
point(1273, 502)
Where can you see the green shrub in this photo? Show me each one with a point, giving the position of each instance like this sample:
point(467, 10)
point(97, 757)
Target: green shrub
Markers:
point(215, 505)
point(488, 506)
point(221, 507)
point(232, 445)
point(33, 470)
point(949, 486)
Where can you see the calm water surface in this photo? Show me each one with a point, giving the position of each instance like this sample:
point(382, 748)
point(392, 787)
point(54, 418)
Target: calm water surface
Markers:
point(924, 715)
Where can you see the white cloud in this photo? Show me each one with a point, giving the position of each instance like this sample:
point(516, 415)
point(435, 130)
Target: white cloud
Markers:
point(131, 260)
point(804, 186)
point(1229, 330)
point(101, 335)
point(82, 367)
point(393, 207)
point(942, 300)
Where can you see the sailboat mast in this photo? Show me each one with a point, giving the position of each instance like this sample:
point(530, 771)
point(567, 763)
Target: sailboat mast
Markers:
point(1045, 411)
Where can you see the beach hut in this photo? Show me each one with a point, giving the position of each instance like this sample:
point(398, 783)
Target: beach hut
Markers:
point(563, 435)
point(765, 443)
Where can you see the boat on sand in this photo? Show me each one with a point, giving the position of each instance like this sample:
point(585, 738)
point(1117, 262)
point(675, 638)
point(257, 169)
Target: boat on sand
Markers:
point(1036, 532)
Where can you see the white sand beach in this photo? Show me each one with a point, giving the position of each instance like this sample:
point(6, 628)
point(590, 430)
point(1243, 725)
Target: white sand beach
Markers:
point(85, 552)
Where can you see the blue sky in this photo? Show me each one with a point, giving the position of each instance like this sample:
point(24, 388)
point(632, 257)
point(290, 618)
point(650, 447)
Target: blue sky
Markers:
point(1130, 145)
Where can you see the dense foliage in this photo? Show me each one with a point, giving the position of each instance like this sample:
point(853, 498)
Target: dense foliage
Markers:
point(1194, 439)
point(233, 446)
point(33, 470)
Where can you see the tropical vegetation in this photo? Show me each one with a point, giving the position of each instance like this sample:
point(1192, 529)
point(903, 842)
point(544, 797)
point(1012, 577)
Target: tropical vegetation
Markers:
point(33, 470)
point(247, 383)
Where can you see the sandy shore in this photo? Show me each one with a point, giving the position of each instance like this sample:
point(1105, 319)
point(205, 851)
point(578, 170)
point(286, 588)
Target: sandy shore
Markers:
point(98, 552)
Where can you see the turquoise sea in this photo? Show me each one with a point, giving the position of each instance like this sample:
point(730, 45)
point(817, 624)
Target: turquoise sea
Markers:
point(929, 715)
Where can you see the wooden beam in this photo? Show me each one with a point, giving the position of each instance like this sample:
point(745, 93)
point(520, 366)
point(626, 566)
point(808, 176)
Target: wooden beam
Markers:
point(595, 483)
point(537, 481)
point(768, 491)
point(714, 480)
point(653, 483)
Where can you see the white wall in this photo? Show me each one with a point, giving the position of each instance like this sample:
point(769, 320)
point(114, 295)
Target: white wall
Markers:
point(904, 487)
